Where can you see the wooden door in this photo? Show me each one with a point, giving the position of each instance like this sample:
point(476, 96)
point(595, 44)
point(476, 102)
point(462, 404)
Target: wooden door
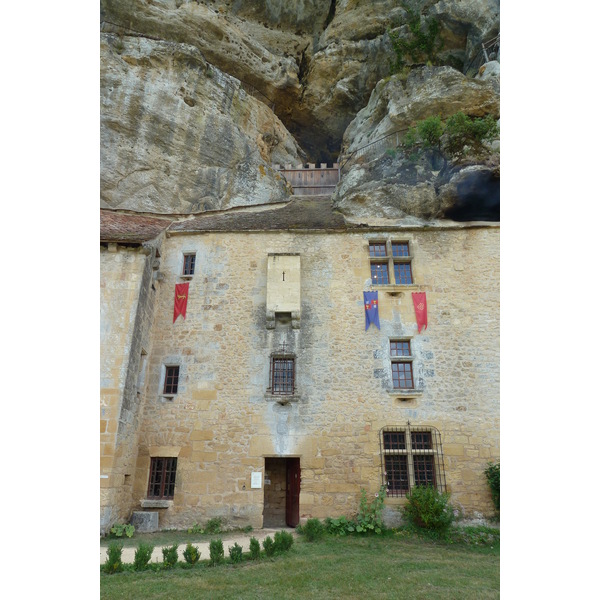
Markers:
point(292, 500)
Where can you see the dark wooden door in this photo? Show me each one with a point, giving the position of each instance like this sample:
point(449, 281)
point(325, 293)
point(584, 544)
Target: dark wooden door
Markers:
point(292, 500)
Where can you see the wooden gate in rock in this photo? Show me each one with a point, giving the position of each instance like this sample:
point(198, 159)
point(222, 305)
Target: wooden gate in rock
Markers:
point(309, 180)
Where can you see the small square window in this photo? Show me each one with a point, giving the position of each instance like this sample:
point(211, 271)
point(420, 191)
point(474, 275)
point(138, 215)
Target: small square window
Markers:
point(400, 348)
point(377, 250)
point(400, 249)
point(189, 264)
point(161, 484)
point(403, 273)
point(171, 380)
point(379, 274)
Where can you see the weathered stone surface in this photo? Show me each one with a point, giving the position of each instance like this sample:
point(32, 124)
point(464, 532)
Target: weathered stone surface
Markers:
point(316, 62)
point(180, 136)
point(385, 183)
point(145, 521)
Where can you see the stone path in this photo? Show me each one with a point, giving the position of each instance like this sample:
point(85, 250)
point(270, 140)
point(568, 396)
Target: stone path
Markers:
point(229, 539)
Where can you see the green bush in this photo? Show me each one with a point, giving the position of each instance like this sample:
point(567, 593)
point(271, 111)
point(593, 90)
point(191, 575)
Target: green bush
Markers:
point(254, 549)
point(113, 563)
point(462, 130)
point(339, 526)
point(313, 530)
point(214, 525)
point(118, 530)
point(492, 474)
point(429, 509)
point(269, 546)
point(235, 553)
point(170, 556)
point(217, 553)
point(283, 541)
point(191, 554)
point(369, 518)
point(142, 557)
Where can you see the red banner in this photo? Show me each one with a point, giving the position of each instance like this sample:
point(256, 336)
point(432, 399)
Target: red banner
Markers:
point(181, 297)
point(420, 302)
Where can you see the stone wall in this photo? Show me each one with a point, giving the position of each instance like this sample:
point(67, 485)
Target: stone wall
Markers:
point(222, 423)
point(126, 306)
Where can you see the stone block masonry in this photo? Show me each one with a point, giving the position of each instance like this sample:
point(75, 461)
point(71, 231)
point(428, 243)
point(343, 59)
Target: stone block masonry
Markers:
point(222, 423)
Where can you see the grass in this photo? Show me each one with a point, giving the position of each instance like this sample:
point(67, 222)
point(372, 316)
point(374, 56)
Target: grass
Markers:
point(395, 566)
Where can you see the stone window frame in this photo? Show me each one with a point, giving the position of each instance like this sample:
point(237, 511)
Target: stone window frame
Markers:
point(167, 464)
point(387, 261)
point(273, 373)
point(400, 449)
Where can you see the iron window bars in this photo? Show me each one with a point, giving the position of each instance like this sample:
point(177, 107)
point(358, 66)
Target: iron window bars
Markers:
point(411, 457)
point(162, 478)
point(171, 380)
point(282, 376)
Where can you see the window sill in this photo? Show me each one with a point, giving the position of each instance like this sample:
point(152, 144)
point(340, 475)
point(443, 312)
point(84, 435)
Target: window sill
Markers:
point(282, 398)
point(169, 397)
point(149, 503)
point(405, 394)
point(186, 276)
point(392, 288)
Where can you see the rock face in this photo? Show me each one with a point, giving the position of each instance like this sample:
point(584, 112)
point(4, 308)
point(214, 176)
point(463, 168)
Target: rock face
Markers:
point(315, 62)
point(381, 181)
point(178, 135)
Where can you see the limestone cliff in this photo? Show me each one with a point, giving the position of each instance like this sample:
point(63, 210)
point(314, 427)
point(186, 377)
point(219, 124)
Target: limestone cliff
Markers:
point(197, 95)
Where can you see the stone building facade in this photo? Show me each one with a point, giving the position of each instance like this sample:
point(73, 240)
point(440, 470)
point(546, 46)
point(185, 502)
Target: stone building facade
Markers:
point(270, 403)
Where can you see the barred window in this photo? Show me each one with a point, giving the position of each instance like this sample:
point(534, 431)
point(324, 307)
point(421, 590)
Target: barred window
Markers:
point(161, 484)
point(282, 375)
point(411, 457)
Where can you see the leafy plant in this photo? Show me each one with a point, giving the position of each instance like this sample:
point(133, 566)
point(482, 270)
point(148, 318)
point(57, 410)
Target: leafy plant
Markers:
point(339, 526)
point(170, 556)
point(114, 563)
point(464, 131)
point(214, 525)
point(142, 557)
point(421, 43)
point(492, 474)
point(269, 546)
point(197, 528)
point(191, 554)
point(313, 530)
point(119, 529)
point(369, 518)
point(283, 541)
point(217, 553)
point(235, 553)
point(429, 508)
point(254, 549)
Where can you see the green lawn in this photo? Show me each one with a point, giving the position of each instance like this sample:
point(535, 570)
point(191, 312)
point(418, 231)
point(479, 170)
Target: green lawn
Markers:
point(348, 567)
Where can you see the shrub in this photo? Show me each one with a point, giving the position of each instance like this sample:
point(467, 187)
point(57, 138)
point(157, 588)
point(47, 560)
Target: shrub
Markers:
point(142, 557)
point(254, 549)
point(283, 541)
point(217, 553)
point(113, 563)
point(492, 474)
point(235, 553)
point(429, 509)
point(269, 546)
point(118, 530)
point(369, 518)
point(313, 529)
point(213, 525)
point(462, 130)
point(170, 556)
point(339, 526)
point(191, 554)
